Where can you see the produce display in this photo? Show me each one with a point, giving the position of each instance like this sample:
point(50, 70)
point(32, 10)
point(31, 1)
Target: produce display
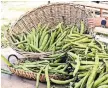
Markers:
point(74, 55)
point(44, 38)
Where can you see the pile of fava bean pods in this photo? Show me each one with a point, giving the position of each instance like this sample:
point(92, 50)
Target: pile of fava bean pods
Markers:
point(80, 58)
point(45, 39)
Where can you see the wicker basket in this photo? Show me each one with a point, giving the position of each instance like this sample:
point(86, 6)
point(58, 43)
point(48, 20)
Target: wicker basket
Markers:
point(51, 14)
point(32, 75)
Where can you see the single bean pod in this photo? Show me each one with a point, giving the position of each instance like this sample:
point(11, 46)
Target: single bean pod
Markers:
point(82, 27)
point(47, 76)
point(77, 66)
point(61, 82)
point(94, 72)
point(38, 76)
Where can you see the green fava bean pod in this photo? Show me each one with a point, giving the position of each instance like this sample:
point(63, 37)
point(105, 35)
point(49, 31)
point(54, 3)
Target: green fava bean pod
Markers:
point(47, 76)
point(82, 27)
point(93, 72)
point(61, 82)
point(38, 76)
point(77, 66)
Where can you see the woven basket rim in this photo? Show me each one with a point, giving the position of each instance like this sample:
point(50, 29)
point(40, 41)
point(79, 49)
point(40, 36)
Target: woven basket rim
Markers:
point(31, 72)
point(32, 75)
point(42, 6)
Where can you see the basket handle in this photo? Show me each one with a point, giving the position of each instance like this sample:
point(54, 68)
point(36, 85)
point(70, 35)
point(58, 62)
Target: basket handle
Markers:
point(9, 57)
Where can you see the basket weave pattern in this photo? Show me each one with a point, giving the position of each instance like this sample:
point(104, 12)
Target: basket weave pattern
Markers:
point(32, 75)
point(51, 14)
